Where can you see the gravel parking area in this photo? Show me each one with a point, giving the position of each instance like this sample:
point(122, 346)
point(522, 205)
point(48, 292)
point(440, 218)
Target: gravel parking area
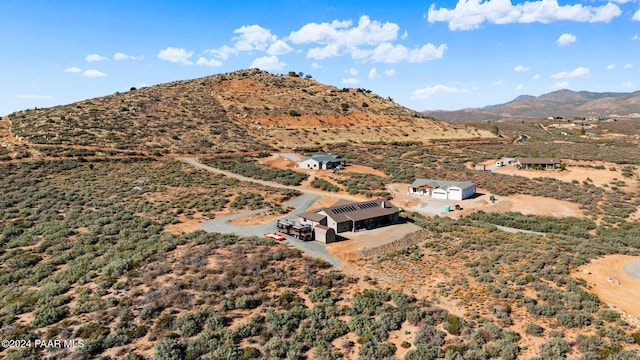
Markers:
point(301, 203)
point(633, 269)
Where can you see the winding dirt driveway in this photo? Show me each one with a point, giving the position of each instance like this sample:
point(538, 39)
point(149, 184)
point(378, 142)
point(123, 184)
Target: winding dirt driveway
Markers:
point(194, 162)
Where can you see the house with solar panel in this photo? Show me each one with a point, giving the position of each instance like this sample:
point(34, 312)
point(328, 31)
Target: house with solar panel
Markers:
point(443, 189)
point(352, 216)
point(321, 162)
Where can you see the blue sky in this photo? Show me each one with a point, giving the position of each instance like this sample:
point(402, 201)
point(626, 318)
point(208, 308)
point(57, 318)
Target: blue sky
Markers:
point(426, 55)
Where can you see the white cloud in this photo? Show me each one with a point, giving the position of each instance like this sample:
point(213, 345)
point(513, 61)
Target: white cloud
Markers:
point(627, 84)
point(340, 37)
point(429, 91)
point(521, 68)
point(635, 36)
point(352, 72)
point(373, 73)
point(566, 39)
point(561, 85)
point(628, 66)
point(497, 82)
point(92, 73)
point(251, 38)
point(535, 77)
point(405, 35)
point(279, 48)
point(95, 57)
point(390, 72)
point(350, 81)
point(33, 97)
point(315, 65)
point(268, 63)
point(123, 56)
point(611, 66)
point(392, 54)
point(211, 62)
point(520, 87)
point(73, 70)
point(176, 55)
point(636, 15)
point(471, 14)
point(577, 72)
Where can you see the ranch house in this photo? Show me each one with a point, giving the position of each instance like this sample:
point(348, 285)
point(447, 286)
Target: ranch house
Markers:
point(352, 216)
point(442, 189)
point(538, 163)
point(320, 162)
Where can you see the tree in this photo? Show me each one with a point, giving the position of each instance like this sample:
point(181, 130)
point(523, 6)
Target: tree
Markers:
point(494, 129)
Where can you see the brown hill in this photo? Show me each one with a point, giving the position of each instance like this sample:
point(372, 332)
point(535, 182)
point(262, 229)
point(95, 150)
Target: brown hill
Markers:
point(240, 111)
point(565, 103)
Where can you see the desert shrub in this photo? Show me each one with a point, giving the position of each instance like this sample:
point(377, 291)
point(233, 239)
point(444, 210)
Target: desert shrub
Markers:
point(48, 315)
point(319, 183)
point(249, 353)
point(169, 349)
point(453, 324)
point(249, 167)
point(429, 337)
point(534, 329)
point(423, 352)
point(190, 324)
point(554, 348)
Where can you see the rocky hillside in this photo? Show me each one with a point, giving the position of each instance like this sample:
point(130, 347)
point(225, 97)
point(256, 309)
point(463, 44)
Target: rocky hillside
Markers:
point(240, 111)
point(565, 103)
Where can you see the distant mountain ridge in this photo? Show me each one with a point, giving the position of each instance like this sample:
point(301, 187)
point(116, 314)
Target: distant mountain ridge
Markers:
point(565, 103)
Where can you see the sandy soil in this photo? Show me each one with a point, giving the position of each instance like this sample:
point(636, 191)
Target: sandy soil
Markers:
point(347, 251)
point(185, 226)
point(607, 278)
point(525, 204)
point(257, 219)
point(600, 177)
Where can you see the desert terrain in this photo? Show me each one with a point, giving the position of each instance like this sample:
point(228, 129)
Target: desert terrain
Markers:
point(104, 202)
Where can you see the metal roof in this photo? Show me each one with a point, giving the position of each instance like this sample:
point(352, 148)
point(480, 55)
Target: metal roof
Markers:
point(369, 209)
point(441, 183)
point(324, 158)
point(538, 161)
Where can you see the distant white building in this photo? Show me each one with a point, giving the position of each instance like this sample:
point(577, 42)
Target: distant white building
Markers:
point(320, 162)
point(442, 189)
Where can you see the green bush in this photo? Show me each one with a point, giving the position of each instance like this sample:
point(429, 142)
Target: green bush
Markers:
point(48, 315)
point(534, 329)
point(169, 349)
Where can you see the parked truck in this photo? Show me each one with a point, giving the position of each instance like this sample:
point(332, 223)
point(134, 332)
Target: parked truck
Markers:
point(299, 231)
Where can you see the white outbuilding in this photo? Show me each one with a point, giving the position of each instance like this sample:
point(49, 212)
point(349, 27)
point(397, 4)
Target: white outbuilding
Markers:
point(443, 189)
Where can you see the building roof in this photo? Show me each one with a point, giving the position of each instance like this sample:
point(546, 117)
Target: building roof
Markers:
point(322, 229)
point(538, 161)
point(325, 158)
point(312, 215)
point(355, 211)
point(444, 184)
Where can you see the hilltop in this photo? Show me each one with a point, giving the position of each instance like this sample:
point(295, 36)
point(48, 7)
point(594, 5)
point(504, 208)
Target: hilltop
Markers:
point(245, 110)
point(564, 103)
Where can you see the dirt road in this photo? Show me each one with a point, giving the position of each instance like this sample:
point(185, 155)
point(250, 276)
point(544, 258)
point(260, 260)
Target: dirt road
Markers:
point(194, 161)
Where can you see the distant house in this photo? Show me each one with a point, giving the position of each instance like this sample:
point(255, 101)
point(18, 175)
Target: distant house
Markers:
point(538, 163)
point(481, 167)
point(320, 162)
point(351, 216)
point(442, 189)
